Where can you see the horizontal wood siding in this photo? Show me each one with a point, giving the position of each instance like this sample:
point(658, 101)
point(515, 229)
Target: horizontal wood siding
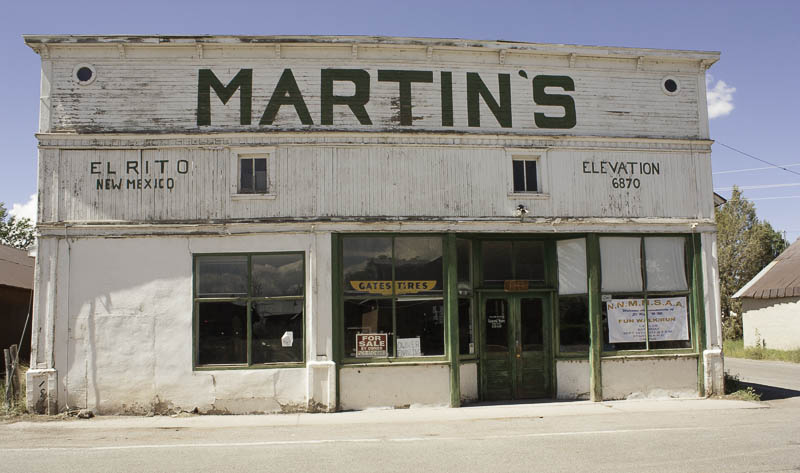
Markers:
point(309, 181)
point(143, 93)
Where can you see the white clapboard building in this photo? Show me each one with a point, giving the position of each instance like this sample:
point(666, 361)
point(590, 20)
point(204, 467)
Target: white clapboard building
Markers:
point(283, 223)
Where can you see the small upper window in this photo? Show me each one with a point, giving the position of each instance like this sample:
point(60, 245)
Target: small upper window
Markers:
point(525, 175)
point(252, 174)
point(252, 171)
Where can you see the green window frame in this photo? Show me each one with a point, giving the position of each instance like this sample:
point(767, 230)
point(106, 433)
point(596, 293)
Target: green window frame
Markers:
point(390, 301)
point(650, 346)
point(240, 310)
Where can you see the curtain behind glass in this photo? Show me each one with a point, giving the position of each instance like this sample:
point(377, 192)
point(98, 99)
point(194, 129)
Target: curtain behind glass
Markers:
point(621, 262)
point(572, 277)
point(664, 257)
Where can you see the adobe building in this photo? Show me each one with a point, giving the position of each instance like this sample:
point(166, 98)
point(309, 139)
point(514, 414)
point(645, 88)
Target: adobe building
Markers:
point(16, 287)
point(282, 223)
point(771, 303)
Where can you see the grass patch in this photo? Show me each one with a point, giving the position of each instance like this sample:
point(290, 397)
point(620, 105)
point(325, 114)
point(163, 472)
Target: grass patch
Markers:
point(18, 407)
point(734, 389)
point(736, 349)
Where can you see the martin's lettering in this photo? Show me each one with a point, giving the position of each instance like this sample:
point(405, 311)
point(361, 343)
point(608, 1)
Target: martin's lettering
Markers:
point(287, 92)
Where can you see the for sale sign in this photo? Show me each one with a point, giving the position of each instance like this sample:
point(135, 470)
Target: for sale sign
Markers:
point(371, 345)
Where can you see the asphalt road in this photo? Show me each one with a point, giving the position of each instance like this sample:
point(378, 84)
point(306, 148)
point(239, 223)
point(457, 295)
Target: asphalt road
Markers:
point(698, 435)
point(774, 379)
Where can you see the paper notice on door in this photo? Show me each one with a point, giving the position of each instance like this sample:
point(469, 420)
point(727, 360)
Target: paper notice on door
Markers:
point(287, 339)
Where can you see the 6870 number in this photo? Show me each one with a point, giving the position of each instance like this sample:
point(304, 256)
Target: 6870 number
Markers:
point(625, 183)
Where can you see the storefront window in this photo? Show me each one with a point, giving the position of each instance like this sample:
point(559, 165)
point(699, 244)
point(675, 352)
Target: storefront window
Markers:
point(369, 316)
point(394, 305)
point(656, 317)
point(418, 260)
point(253, 301)
point(420, 327)
point(621, 263)
point(573, 296)
point(367, 265)
point(573, 324)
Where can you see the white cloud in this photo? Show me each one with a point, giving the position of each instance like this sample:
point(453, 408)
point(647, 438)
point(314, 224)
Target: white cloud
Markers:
point(26, 210)
point(719, 98)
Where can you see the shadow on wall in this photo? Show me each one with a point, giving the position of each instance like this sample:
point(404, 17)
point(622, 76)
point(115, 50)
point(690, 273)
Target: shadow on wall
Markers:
point(119, 291)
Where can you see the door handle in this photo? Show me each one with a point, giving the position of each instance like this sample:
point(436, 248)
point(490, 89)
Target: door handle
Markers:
point(519, 349)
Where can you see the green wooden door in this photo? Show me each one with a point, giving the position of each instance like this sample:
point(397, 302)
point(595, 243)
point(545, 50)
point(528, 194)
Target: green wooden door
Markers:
point(514, 351)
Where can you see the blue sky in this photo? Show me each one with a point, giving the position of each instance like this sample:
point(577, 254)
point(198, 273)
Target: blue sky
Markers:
point(755, 82)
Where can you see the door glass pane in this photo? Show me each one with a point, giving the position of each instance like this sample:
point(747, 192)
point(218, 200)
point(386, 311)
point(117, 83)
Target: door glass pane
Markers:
point(222, 337)
point(418, 263)
point(531, 324)
point(529, 260)
point(367, 265)
point(497, 319)
point(496, 262)
point(221, 276)
point(277, 275)
point(367, 317)
point(420, 327)
point(277, 331)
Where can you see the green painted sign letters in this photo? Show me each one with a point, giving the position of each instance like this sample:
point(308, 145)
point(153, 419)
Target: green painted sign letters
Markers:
point(287, 92)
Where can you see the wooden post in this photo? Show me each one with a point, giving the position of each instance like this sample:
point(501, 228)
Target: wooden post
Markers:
point(14, 373)
point(7, 356)
point(451, 332)
point(595, 319)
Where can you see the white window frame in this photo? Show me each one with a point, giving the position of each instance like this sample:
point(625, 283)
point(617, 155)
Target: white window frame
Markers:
point(252, 152)
point(542, 174)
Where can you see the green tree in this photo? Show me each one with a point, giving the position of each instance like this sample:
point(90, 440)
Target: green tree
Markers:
point(745, 246)
point(16, 232)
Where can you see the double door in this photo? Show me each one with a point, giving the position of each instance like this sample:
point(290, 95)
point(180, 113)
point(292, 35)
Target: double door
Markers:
point(515, 361)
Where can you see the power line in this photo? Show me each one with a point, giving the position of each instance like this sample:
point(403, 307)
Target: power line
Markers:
point(763, 186)
point(730, 171)
point(757, 159)
point(780, 197)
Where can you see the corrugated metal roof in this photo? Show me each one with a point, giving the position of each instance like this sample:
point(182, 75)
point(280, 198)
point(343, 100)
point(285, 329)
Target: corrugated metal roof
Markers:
point(781, 278)
point(16, 267)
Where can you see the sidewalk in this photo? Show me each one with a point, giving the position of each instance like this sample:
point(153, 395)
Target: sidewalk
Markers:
point(396, 416)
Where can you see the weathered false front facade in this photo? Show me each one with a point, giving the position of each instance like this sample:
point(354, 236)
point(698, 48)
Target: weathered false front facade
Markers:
point(257, 224)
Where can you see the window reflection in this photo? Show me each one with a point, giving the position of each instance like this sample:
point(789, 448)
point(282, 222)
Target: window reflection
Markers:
point(367, 259)
point(277, 275)
point(222, 276)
